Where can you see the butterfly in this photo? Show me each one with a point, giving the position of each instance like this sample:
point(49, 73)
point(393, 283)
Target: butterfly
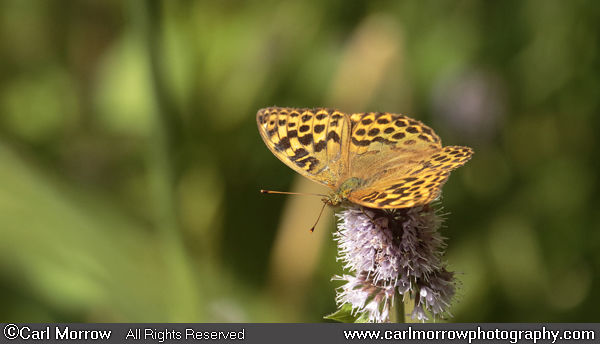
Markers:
point(374, 159)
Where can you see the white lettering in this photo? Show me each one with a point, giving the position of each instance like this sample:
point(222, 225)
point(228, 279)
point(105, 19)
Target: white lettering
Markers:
point(82, 334)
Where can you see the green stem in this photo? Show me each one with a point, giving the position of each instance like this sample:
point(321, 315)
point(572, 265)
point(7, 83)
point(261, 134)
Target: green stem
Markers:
point(408, 306)
point(397, 311)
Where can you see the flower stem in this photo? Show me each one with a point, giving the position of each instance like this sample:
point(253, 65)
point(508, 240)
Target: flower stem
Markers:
point(397, 311)
point(408, 305)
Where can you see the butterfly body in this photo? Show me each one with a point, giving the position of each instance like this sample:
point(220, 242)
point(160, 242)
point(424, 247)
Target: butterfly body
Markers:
point(378, 160)
point(343, 191)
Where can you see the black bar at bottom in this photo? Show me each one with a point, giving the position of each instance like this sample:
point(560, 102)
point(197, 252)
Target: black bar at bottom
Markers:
point(300, 333)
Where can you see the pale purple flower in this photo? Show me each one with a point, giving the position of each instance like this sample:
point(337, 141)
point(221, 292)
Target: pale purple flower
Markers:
point(365, 296)
point(393, 253)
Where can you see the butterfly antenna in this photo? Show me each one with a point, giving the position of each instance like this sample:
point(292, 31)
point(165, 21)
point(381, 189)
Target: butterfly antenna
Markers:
point(312, 229)
point(291, 193)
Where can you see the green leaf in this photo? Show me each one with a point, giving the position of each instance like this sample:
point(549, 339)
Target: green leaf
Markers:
point(344, 315)
point(363, 318)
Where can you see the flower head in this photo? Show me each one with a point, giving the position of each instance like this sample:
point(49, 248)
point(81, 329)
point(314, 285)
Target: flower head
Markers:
point(366, 297)
point(393, 251)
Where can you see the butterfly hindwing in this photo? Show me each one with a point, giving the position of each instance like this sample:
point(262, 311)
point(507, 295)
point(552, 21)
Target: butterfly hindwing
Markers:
point(417, 185)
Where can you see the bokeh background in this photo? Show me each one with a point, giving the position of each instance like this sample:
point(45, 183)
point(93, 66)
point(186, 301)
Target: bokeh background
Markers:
point(130, 161)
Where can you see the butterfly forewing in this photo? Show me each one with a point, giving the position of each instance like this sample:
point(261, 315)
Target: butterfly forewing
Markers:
point(312, 142)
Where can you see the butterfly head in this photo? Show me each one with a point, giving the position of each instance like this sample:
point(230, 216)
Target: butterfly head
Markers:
point(333, 199)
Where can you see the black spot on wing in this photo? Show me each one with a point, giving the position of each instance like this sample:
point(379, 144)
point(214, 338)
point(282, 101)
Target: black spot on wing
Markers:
point(424, 137)
point(319, 146)
point(383, 140)
point(283, 144)
point(319, 128)
point(381, 195)
point(373, 132)
point(400, 191)
point(412, 130)
point(372, 194)
point(306, 139)
point(361, 143)
point(311, 161)
point(370, 197)
point(386, 202)
point(299, 154)
point(332, 135)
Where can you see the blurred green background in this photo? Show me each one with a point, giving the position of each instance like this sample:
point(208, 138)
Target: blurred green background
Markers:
point(130, 161)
